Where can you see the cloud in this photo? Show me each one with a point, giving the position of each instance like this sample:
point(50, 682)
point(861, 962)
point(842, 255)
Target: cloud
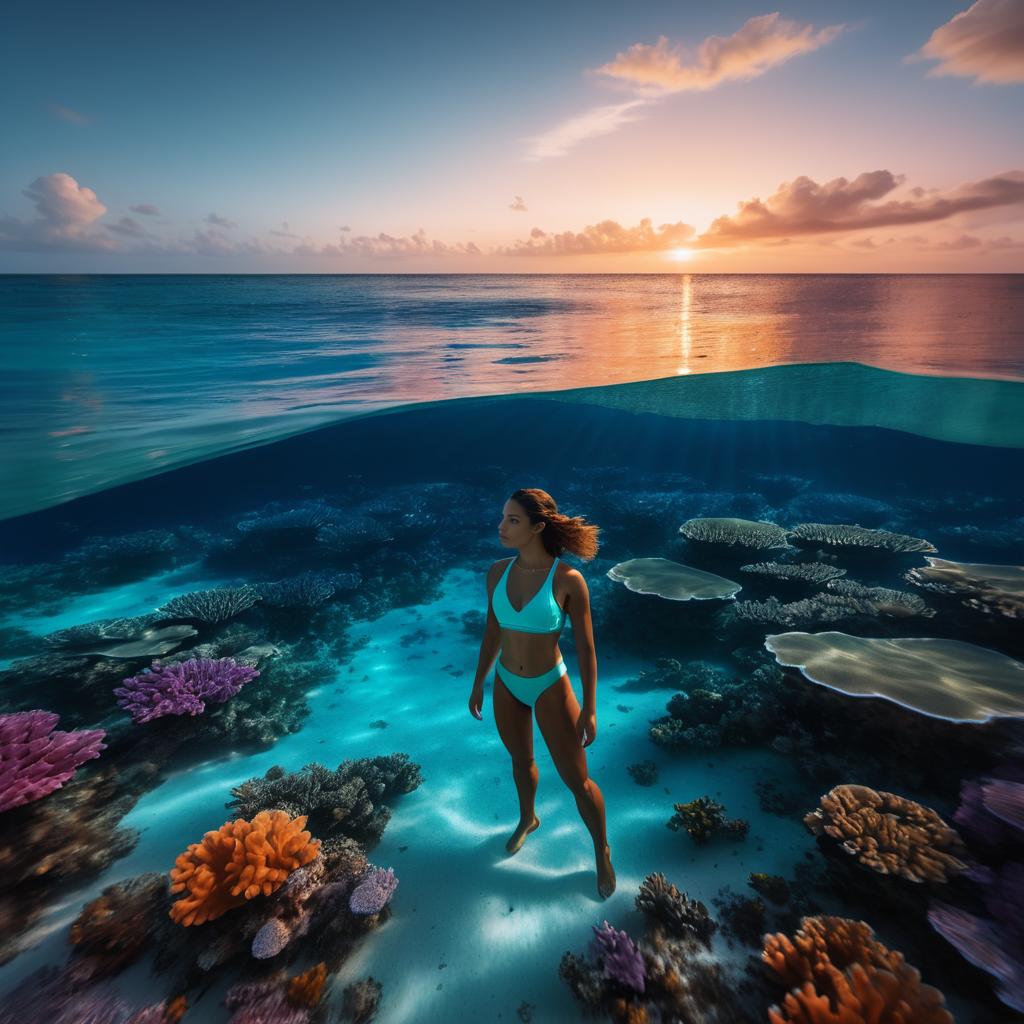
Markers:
point(65, 212)
point(803, 207)
point(220, 222)
point(147, 209)
point(606, 237)
point(761, 43)
point(67, 114)
point(596, 121)
point(285, 231)
point(127, 226)
point(654, 71)
point(518, 205)
point(384, 245)
point(985, 42)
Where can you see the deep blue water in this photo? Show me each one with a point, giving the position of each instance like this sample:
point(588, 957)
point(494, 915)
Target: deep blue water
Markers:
point(109, 378)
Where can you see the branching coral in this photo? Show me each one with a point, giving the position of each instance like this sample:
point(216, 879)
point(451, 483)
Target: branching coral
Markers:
point(211, 606)
point(839, 973)
point(702, 818)
point(618, 957)
point(36, 759)
point(237, 862)
point(182, 688)
point(347, 800)
point(661, 901)
point(889, 834)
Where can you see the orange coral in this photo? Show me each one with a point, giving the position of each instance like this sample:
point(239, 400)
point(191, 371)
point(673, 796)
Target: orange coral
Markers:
point(889, 833)
point(176, 1009)
point(307, 988)
point(839, 973)
point(628, 1013)
point(238, 861)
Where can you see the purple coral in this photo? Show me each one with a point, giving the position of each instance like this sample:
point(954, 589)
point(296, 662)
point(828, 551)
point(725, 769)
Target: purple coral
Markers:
point(182, 688)
point(35, 760)
point(619, 957)
point(372, 894)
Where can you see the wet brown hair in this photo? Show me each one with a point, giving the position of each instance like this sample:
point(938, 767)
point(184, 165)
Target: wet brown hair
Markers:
point(561, 532)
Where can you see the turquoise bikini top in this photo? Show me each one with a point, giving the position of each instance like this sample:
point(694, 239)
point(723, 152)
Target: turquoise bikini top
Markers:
point(541, 614)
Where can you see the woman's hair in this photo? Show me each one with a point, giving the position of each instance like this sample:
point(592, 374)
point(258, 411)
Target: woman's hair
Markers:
point(561, 532)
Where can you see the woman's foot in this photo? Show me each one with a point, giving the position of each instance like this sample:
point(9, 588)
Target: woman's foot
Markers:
point(605, 873)
point(518, 837)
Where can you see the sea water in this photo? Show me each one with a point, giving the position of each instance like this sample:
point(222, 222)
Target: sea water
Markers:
point(156, 426)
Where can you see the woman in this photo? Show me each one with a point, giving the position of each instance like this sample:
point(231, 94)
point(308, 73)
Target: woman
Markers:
point(523, 624)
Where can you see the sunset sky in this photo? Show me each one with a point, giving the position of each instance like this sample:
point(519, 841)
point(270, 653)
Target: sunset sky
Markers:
point(565, 136)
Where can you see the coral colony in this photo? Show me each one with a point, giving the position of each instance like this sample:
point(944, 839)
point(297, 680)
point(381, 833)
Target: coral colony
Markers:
point(883, 703)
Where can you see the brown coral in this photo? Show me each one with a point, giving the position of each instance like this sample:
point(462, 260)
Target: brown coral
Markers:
point(306, 989)
point(889, 833)
point(238, 861)
point(839, 973)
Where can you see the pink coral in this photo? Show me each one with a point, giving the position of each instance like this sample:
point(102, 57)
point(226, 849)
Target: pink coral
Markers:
point(35, 760)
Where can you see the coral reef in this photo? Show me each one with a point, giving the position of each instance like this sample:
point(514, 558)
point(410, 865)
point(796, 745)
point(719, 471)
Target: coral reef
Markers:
point(703, 818)
point(139, 637)
point(894, 604)
point(345, 801)
point(949, 679)
point(741, 533)
point(617, 957)
point(238, 861)
point(889, 833)
point(996, 589)
point(814, 573)
point(36, 758)
point(182, 688)
point(211, 606)
point(739, 711)
point(858, 538)
point(644, 773)
point(360, 1001)
point(112, 931)
point(304, 591)
point(374, 892)
point(680, 981)
point(837, 972)
point(682, 917)
point(672, 580)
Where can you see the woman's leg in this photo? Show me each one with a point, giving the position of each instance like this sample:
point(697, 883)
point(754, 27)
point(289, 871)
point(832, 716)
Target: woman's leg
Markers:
point(557, 710)
point(515, 726)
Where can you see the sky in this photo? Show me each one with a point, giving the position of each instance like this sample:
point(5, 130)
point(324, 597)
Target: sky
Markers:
point(580, 136)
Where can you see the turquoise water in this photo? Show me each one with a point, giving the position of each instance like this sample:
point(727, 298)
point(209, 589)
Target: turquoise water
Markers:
point(920, 437)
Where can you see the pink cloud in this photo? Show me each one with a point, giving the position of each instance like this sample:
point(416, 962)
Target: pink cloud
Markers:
point(66, 210)
point(985, 42)
point(803, 207)
point(606, 237)
point(761, 43)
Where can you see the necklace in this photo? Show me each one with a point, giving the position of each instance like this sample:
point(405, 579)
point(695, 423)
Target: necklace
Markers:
point(523, 567)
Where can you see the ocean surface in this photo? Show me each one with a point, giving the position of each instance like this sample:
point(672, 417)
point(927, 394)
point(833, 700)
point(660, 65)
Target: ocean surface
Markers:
point(304, 476)
point(108, 378)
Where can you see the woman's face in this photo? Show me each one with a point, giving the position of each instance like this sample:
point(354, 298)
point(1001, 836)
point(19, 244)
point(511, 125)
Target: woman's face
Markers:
point(515, 529)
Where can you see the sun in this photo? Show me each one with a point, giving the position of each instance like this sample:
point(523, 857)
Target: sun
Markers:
point(681, 254)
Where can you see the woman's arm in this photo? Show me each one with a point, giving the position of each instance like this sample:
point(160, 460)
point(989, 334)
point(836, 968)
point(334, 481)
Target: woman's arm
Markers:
point(583, 633)
point(491, 642)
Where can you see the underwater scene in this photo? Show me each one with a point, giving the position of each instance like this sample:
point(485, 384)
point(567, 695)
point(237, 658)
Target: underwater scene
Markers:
point(248, 524)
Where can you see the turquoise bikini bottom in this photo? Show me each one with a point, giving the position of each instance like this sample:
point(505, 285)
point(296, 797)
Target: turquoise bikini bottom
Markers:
point(526, 689)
